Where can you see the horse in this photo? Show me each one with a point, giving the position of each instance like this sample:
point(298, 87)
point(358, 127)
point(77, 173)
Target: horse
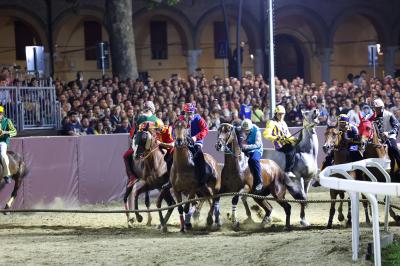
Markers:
point(236, 177)
point(155, 170)
point(138, 167)
point(305, 159)
point(183, 178)
point(336, 144)
point(18, 171)
point(374, 148)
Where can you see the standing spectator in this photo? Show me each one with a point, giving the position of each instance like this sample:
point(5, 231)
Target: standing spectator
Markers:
point(332, 118)
point(354, 119)
point(245, 110)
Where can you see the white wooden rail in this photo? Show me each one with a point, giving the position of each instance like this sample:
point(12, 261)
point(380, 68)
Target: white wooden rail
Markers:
point(369, 189)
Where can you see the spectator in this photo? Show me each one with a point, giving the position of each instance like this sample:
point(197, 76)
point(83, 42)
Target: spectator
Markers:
point(124, 127)
point(99, 128)
point(332, 118)
point(86, 128)
point(73, 127)
point(245, 110)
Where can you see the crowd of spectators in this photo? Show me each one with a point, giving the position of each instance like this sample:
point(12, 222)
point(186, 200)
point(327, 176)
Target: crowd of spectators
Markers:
point(109, 105)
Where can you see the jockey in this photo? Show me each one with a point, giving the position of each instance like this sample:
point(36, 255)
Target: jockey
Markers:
point(253, 148)
point(277, 131)
point(198, 131)
point(7, 131)
point(147, 116)
point(350, 134)
point(388, 128)
point(166, 141)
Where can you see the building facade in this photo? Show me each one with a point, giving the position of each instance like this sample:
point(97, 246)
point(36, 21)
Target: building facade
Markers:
point(314, 39)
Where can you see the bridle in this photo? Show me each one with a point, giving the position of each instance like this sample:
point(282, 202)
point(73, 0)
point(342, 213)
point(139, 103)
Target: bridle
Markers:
point(225, 144)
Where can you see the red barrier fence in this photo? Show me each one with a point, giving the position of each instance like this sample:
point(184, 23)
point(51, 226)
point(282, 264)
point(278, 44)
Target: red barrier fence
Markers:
point(86, 169)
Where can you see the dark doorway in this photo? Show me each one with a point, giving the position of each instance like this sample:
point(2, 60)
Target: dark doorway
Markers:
point(289, 57)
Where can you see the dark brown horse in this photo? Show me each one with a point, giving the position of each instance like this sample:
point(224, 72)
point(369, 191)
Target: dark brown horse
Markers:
point(183, 178)
point(236, 177)
point(341, 155)
point(18, 171)
point(155, 172)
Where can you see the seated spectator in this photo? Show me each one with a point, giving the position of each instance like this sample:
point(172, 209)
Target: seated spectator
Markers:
point(124, 127)
point(86, 128)
point(73, 127)
point(99, 128)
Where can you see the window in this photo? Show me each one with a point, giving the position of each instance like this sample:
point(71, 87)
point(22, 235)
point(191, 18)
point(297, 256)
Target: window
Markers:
point(220, 40)
point(24, 36)
point(92, 32)
point(158, 40)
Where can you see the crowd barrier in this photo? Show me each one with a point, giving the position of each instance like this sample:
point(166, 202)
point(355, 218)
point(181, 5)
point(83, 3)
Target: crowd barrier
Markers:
point(85, 169)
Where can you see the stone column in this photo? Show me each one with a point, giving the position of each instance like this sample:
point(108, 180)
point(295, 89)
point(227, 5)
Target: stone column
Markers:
point(258, 62)
point(389, 54)
point(193, 60)
point(325, 59)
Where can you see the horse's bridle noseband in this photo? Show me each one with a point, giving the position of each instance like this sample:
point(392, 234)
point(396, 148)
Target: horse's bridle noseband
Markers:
point(225, 144)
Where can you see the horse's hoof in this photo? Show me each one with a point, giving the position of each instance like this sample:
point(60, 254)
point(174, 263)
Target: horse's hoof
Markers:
point(368, 222)
point(188, 226)
point(217, 225)
point(329, 226)
point(235, 225)
point(159, 227)
point(348, 223)
point(182, 230)
point(139, 218)
point(6, 213)
point(209, 220)
point(304, 223)
point(341, 217)
point(287, 228)
point(196, 215)
point(164, 229)
point(267, 220)
point(148, 223)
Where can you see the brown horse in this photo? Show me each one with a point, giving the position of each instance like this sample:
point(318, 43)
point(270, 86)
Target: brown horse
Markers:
point(236, 177)
point(336, 144)
point(18, 172)
point(155, 172)
point(183, 178)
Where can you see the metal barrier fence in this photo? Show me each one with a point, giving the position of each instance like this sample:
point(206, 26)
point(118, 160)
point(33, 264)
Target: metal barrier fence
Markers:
point(31, 107)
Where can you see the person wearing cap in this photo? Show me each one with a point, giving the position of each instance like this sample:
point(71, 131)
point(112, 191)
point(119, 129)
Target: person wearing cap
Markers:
point(198, 129)
point(7, 131)
point(277, 131)
point(252, 146)
point(147, 116)
point(388, 128)
point(350, 134)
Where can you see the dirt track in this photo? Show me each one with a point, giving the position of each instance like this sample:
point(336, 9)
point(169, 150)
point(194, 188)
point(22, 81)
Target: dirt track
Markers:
point(104, 239)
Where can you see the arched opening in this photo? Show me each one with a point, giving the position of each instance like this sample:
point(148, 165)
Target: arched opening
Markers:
point(161, 44)
point(16, 34)
point(75, 46)
point(350, 47)
point(289, 57)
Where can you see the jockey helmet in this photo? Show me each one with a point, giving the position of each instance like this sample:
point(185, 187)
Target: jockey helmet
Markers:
point(1, 109)
point(378, 103)
point(343, 118)
point(189, 108)
point(280, 109)
point(149, 105)
point(247, 124)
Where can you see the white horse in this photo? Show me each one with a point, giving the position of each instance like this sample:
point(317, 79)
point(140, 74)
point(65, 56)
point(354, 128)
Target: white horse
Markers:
point(305, 160)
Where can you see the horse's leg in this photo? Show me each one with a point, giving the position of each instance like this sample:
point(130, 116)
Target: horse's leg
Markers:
point(246, 189)
point(395, 217)
point(288, 209)
point(17, 185)
point(365, 205)
point(340, 209)
point(199, 205)
point(178, 197)
point(217, 213)
point(147, 202)
point(268, 210)
point(128, 191)
point(189, 211)
point(349, 214)
point(166, 195)
point(137, 193)
point(235, 222)
point(303, 220)
point(333, 194)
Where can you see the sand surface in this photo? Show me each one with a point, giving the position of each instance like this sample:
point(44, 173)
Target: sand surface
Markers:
point(105, 239)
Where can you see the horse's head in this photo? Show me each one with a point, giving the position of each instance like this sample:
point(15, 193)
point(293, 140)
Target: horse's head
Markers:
point(310, 118)
point(225, 136)
point(181, 134)
point(144, 139)
point(331, 139)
